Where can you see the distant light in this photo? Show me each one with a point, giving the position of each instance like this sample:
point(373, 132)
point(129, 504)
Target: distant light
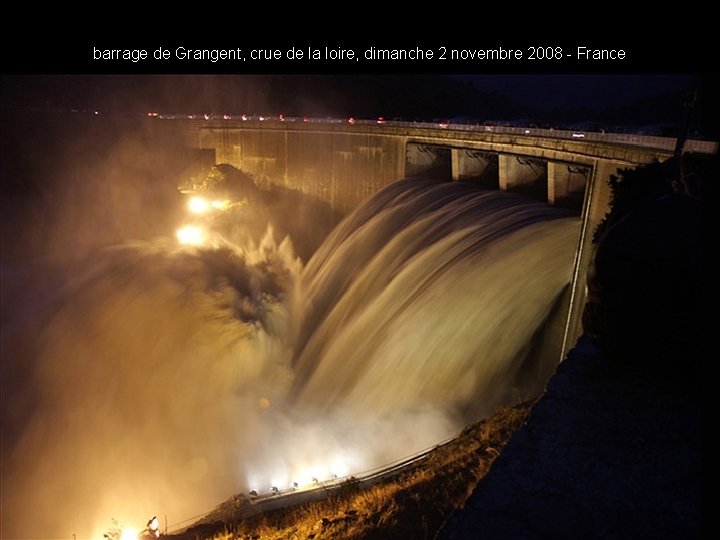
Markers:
point(198, 205)
point(190, 235)
point(351, 121)
point(381, 120)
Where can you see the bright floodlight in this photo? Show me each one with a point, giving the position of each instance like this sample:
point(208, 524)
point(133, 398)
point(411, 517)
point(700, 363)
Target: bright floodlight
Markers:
point(154, 527)
point(190, 235)
point(310, 474)
point(198, 205)
point(128, 533)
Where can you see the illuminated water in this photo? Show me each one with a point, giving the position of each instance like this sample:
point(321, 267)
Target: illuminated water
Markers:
point(171, 378)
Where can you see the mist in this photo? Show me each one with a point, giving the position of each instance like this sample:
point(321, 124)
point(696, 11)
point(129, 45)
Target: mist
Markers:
point(103, 316)
point(141, 377)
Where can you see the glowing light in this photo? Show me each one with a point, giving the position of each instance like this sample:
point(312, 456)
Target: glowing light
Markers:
point(220, 205)
point(339, 467)
point(129, 533)
point(311, 475)
point(190, 235)
point(154, 527)
point(198, 205)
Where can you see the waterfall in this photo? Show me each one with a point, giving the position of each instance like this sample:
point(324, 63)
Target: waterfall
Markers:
point(168, 378)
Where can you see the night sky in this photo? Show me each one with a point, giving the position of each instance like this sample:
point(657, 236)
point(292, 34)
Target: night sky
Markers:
point(632, 100)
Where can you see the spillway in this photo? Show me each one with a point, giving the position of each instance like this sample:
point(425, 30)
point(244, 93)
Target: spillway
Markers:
point(168, 378)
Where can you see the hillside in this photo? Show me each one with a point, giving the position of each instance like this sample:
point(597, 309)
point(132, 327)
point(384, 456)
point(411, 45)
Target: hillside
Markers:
point(413, 504)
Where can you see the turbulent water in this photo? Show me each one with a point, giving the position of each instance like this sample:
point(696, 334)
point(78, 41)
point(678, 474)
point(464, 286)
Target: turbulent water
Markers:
point(172, 377)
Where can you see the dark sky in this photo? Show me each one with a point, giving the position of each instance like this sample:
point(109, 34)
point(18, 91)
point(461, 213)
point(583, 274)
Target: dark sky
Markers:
point(537, 90)
point(574, 90)
point(611, 99)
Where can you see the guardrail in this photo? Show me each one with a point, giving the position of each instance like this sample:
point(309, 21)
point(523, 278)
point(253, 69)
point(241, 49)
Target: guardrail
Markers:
point(645, 141)
point(267, 500)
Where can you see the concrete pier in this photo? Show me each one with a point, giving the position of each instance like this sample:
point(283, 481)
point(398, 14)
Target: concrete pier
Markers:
point(344, 164)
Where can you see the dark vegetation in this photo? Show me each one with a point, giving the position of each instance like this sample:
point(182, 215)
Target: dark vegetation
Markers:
point(645, 303)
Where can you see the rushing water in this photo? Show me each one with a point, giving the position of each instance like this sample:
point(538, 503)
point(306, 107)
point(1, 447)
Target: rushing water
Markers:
point(169, 378)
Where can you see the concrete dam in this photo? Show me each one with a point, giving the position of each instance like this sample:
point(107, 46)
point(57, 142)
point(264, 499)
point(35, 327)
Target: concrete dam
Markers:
point(236, 367)
point(345, 162)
